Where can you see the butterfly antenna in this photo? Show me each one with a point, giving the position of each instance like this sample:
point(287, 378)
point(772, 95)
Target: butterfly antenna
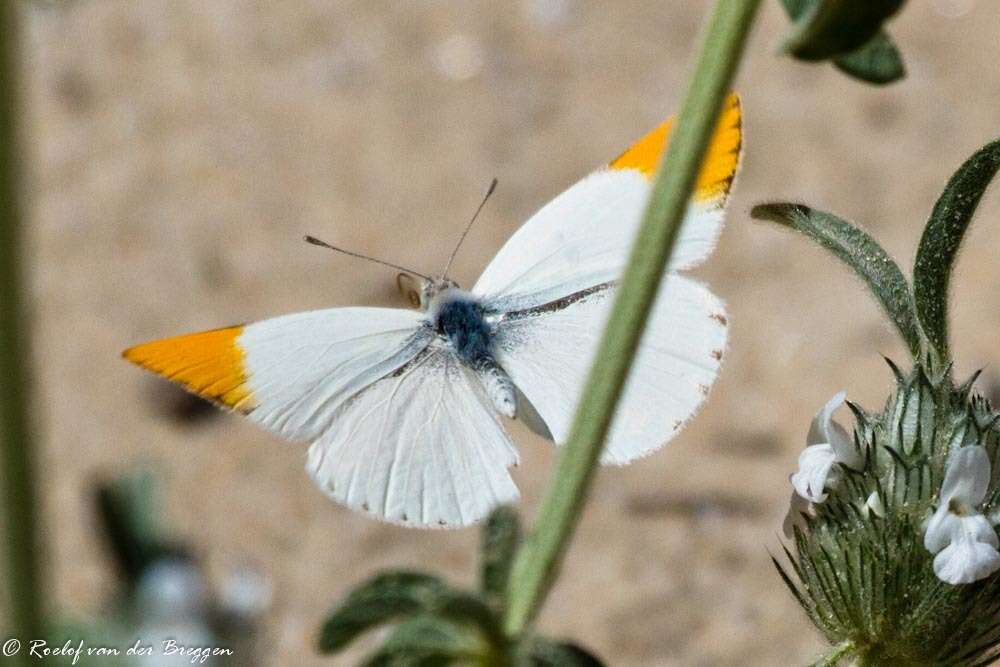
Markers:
point(489, 191)
point(323, 244)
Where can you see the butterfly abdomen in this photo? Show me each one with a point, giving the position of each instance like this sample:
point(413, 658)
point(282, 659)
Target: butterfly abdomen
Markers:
point(499, 387)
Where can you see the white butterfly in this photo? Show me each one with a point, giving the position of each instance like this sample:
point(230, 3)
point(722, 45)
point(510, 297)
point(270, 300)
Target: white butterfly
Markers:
point(404, 407)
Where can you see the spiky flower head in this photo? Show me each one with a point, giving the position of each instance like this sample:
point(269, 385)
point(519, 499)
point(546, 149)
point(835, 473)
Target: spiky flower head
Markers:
point(895, 555)
point(861, 567)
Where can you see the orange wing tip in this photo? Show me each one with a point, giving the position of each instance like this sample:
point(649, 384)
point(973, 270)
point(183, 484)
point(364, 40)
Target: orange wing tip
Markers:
point(210, 364)
point(720, 161)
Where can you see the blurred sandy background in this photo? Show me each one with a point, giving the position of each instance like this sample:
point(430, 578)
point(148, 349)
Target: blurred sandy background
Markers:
point(181, 149)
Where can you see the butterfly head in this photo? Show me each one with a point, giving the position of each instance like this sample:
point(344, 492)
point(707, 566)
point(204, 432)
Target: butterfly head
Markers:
point(421, 292)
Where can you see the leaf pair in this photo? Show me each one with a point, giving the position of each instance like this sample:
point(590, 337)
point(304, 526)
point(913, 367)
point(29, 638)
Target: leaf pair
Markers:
point(920, 314)
point(440, 625)
point(848, 32)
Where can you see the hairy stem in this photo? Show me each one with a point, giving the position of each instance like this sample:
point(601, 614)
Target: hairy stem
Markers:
point(537, 561)
point(15, 442)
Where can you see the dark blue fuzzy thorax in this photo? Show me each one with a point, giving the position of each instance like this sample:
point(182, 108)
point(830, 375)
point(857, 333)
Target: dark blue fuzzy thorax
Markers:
point(464, 325)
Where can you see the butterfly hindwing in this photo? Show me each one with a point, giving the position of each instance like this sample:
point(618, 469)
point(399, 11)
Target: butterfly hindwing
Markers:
point(548, 351)
point(422, 447)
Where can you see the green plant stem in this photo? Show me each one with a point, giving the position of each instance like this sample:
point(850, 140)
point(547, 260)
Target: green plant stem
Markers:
point(15, 442)
point(537, 561)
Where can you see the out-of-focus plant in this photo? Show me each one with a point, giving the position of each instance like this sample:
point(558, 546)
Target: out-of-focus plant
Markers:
point(23, 554)
point(897, 559)
point(848, 33)
point(164, 595)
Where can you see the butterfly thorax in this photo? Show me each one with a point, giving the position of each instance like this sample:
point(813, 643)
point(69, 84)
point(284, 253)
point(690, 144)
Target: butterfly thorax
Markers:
point(459, 318)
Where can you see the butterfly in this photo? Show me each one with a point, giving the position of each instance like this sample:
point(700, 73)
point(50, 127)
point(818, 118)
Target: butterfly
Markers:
point(404, 408)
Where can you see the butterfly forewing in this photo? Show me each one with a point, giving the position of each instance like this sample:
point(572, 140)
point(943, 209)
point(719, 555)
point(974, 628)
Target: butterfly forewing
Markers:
point(582, 237)
point(302, 367)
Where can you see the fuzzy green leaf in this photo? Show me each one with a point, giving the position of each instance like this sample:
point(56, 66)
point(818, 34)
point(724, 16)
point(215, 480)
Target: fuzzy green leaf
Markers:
point(828, 28)
point(382, 599)
point(429, 641)
point(877, 61)
point(941, 240)
point(471, 610)
point(548, 653)
point(500, 538)
point(859, 251)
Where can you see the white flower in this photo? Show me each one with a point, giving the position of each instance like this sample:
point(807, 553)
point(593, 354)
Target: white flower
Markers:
point(827, 444)
point(963, 539)
point(874, 506)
